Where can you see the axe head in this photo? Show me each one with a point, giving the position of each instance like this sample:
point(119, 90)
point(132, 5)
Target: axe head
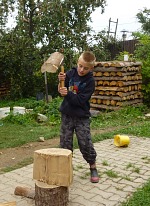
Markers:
point(52, 63)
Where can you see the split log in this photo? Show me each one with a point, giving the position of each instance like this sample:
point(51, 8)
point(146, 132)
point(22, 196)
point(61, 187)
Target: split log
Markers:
point(122, 83)
point(101, 92)
point(129, 78)
point(119, 74)
point(107, 102)
point(106, 64)
point(50, 195)
point(130, 102)
point(100, 82)
point(130, 88)
point(124, 98)
point(113, 83)
point(93, 101)
point(98, 74)
point(113, 102)
point(104, 101)
point(118, 64)
point(25, 192)
point(108, 69)
point(118, 78)
point(139, 86)
point(53, 166)
point(113, 93)
point(136, 87)
point(99, 101)
point(106, 74)
point(102, 88)
point(124, 94)
point(113, 73)
point(107, 93)
point(107, 97)
point(102, 106)
point(106, 83)
point(8, 204)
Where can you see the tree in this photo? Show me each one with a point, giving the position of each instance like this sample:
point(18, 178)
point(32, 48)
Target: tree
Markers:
point(142, 52)
point(43, 27)
point(144, 19)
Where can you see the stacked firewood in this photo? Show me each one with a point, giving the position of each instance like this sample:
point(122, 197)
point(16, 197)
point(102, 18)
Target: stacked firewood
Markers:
point(4, 87)
point(117, 84)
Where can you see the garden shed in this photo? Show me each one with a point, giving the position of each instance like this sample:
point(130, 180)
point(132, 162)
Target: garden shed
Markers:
point(117, 84)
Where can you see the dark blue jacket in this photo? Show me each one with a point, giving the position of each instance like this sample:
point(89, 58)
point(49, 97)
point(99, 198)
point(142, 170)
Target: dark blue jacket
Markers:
point(80, 88)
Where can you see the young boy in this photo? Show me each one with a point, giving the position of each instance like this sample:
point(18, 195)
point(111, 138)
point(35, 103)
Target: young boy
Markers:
point(79, 86)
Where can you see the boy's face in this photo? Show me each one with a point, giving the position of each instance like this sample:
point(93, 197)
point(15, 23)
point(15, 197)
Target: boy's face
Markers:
point(83, 67)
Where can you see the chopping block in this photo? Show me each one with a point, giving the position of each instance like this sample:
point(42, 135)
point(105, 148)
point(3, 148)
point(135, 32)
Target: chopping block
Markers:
point(53, 172)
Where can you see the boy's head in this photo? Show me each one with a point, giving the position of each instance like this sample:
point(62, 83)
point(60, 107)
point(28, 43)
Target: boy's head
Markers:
point(86, 63)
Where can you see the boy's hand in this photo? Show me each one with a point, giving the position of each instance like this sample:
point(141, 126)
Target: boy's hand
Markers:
point(61, 76)
point(63, 91)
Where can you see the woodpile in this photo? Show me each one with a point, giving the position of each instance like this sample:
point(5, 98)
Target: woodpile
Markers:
point(117, 84)
point(4, 86)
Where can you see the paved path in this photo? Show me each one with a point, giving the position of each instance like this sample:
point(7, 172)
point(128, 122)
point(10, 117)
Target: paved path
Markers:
point(131, 165)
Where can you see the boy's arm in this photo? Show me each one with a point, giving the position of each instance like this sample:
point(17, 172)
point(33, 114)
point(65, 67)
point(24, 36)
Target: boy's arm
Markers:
point(83, 96)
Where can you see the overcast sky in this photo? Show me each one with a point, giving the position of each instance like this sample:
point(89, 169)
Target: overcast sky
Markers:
point(125, 11)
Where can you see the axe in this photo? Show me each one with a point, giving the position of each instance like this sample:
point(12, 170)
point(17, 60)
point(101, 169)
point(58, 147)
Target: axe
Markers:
point(51, 65)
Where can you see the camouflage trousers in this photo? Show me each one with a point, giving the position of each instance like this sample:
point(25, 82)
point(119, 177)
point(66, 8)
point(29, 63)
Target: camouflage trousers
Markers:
point(81, 127)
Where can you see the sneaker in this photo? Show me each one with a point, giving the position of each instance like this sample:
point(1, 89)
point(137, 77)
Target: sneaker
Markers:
point(94, 175)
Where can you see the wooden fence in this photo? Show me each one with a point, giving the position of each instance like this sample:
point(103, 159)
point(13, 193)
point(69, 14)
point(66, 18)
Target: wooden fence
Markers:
point(128, 45)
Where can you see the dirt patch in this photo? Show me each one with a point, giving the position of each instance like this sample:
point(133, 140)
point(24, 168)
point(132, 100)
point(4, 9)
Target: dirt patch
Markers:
point(12, 156)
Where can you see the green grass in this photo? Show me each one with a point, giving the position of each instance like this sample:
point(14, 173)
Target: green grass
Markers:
point(14, 135)
point(111, 173)
point(140, 198)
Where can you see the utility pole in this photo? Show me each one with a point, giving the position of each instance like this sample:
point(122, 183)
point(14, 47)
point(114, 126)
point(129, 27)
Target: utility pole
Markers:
point(116, 22)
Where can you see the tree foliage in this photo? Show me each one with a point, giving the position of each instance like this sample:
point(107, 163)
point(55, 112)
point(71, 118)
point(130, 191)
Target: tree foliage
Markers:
point(142, 52)
point(144, 19)
point(42, 27)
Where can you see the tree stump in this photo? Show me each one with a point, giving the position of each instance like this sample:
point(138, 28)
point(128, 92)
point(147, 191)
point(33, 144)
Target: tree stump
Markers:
point(50, 195)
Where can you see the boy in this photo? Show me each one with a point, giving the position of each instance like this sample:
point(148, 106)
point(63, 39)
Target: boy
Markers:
point(75, 109)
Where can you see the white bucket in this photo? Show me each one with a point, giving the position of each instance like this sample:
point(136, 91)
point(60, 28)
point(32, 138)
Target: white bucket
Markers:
point(19, 110)
point(126, 58)
point(4, 112)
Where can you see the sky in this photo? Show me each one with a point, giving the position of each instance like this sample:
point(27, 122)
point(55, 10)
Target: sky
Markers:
point(125, 11)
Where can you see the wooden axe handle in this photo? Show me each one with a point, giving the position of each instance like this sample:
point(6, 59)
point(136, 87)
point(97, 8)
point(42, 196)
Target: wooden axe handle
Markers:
point(62, 83)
